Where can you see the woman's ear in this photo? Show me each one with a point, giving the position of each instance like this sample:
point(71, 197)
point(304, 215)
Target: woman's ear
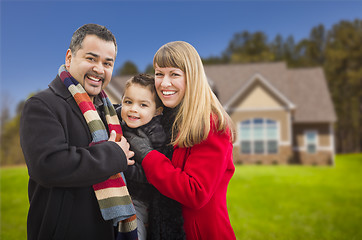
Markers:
point(159, 111)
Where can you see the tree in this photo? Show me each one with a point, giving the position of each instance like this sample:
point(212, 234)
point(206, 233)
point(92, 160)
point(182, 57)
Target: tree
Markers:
point(4, 108)
point(215, 60)
point(10, 150)
point(277, 49)
point(343, 67)
point(246, 47)
point(149, 69)
point(128, 68)
point(289, 51)
point(311, 52)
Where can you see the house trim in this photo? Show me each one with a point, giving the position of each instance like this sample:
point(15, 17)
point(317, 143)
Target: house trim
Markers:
point(256, 109)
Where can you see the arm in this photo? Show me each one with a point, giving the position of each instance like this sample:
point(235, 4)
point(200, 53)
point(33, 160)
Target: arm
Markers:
point(55, 146)
point(136, 174)
point(204, 168)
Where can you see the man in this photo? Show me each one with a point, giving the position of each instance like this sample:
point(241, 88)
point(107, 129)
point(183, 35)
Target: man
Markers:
point(64, 160)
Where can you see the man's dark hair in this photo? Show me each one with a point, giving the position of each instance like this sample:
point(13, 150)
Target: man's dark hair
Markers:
point(145, 80)
point(90, 29)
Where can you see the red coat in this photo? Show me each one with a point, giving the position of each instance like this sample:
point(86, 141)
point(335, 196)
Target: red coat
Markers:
point(197, 178)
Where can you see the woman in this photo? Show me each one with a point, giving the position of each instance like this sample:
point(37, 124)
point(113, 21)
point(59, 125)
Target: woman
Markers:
point(201, 135)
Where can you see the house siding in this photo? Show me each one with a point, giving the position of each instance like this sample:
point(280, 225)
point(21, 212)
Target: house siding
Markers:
point(280, 116)
point(284, 156)
point(324, 154)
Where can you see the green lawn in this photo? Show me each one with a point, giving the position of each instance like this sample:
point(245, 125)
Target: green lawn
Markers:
point(14, 203)
point(298, 202)
point(265, 202)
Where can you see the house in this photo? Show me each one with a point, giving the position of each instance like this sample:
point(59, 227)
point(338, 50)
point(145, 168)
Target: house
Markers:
point(281, 115)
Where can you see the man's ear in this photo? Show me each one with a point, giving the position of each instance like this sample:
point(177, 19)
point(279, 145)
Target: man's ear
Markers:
point(68, 58)
point(159, 111)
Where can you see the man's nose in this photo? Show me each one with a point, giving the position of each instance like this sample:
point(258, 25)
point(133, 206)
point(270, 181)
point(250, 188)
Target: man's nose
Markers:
point(98, 68)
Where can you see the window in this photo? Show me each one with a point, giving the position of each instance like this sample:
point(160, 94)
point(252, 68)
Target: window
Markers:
point(258, 136)
point(246, 137)
point(272, 136)
point(311, 141)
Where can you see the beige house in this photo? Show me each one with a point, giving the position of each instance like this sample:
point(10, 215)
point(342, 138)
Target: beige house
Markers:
point(281, 115)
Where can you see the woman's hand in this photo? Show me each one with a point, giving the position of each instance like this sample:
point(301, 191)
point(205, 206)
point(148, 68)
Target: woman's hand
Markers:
point(140, 144)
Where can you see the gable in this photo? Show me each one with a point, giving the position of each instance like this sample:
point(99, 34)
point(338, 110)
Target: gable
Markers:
point(258, 97)
point(258, 93)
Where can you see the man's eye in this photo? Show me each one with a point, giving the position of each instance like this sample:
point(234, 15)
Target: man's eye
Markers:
point(108, 64)
point(90, 59)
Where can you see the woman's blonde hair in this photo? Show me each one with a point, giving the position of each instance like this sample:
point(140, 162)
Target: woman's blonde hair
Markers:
point(192, 122)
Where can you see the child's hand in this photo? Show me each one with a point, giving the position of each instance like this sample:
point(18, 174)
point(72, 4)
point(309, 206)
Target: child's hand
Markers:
point(140, 144)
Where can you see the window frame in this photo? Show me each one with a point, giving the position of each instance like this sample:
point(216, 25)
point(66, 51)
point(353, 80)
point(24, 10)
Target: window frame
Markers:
point(251, 124)
point(307, 143)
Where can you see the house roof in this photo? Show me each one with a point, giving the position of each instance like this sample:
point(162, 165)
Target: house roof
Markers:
point(304, 90)
point(116, 87)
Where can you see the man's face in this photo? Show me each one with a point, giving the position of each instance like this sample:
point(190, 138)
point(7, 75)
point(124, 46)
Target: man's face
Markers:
point(92, 64)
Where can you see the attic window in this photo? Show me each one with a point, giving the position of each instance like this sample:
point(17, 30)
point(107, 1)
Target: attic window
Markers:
point(258, 136)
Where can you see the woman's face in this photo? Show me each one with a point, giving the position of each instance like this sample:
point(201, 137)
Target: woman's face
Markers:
point(170, 84)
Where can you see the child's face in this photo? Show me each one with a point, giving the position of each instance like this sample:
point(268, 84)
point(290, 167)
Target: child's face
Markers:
point(138, 106)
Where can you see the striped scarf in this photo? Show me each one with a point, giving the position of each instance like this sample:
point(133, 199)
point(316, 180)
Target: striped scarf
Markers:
point(113, 198)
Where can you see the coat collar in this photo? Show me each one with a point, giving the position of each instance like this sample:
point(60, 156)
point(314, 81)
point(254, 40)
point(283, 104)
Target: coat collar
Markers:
point(58, 87)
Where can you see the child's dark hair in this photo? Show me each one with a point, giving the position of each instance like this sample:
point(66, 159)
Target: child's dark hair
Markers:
point(147, 81)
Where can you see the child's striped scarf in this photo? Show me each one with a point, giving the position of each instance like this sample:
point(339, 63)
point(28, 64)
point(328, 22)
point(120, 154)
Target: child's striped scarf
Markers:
point(114, 200)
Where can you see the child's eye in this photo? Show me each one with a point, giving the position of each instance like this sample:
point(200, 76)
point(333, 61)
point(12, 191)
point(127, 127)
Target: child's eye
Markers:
point(127, 102)
point(144, 105)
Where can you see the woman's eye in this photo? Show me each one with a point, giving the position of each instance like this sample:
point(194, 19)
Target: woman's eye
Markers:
point(159, 74)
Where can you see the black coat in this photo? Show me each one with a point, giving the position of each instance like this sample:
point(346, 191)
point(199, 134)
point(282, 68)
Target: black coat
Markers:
point(165, 215)
point(62, 168)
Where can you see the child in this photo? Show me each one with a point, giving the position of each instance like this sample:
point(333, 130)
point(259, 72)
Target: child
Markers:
point(141, 109)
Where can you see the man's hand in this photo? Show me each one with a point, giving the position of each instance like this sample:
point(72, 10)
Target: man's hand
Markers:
point(124, 145)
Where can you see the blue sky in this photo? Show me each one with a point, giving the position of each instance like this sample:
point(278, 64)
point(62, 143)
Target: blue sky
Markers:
point(36, 34)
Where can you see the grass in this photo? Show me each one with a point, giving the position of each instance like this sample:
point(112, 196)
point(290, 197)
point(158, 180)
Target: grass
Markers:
point(14, 202)
point(298, 202)
point(265, 202)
